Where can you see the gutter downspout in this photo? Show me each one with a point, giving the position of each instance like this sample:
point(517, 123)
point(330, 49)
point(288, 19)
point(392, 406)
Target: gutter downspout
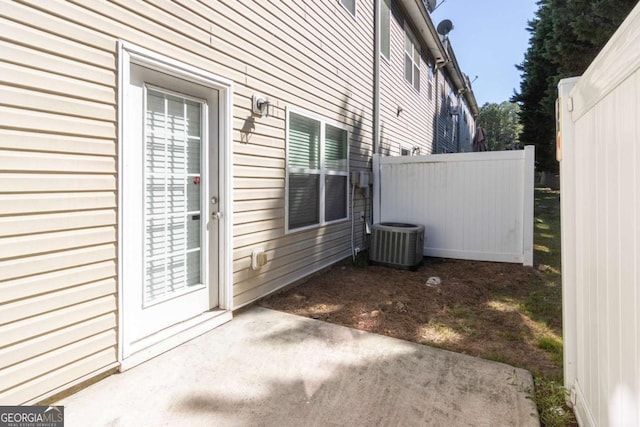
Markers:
point(376, 78)
point(376, 108)
point(437, 113)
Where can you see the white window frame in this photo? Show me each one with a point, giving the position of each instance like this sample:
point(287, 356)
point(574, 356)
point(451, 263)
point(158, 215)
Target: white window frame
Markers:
point(355, 8)
point(323, 122)
point(408, 35)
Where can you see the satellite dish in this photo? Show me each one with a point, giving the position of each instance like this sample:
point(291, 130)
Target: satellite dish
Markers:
point(445, 27)
point(431, 5)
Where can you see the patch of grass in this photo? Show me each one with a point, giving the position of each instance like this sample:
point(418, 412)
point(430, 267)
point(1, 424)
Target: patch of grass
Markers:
point(550, 396)
point(553, 346)
point(510, 336)
point(543, 304)
point(497, 357)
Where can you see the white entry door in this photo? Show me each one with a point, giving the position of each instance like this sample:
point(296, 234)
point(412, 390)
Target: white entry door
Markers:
point(170, 200)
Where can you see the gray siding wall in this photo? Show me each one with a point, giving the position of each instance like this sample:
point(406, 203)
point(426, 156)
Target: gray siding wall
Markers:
point(414, 125)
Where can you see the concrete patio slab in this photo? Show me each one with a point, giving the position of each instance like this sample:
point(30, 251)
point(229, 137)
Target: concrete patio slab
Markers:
point(267, 368)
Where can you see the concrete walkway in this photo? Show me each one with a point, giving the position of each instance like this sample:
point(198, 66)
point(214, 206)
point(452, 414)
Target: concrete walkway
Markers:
point(267, 368)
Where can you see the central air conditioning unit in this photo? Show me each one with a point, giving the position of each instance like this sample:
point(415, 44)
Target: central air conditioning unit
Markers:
point(397, 245)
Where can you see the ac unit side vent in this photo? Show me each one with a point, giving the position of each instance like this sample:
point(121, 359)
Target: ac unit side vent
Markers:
point(397, 245)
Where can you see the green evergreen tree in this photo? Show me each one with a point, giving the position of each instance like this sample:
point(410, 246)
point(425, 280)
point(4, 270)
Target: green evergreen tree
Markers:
point(538, 75)
point(566, 35)
point(501, 125)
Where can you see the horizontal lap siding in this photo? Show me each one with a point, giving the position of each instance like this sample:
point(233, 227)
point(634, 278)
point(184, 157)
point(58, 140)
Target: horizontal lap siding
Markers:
point(413, 127)
point(57, 204)
point(311, 49)
point(58, 162)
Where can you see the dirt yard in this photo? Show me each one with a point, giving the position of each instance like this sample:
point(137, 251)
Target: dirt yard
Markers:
point(475, 309)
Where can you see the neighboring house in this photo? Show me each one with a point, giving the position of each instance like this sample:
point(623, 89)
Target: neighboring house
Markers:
point(154, 155)
point(411, 47)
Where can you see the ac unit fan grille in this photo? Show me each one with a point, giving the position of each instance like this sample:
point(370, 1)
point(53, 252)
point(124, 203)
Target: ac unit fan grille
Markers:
point(397, 245)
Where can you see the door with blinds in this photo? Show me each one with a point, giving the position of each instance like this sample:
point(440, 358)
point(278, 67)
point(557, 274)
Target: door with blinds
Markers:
point(170, 190)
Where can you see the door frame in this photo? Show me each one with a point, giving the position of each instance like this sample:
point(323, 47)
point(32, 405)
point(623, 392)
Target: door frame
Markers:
point(129, 54)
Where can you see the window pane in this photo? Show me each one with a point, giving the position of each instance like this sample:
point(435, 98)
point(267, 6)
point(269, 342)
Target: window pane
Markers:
point(335, 203)
point(193, 193)
point(175, 157)
point(304, 142)
point(154, 280)
point(176, 123)
point(176, 236)
point(350, 5)
point(193, 231)
point(155, 243)
point(408, 46)
point(176, 273)
point(175, 195)
point(193, 118)
point(155, 154)
point(416, 77)
point(304, 200)
point(335, 148)
point(385, 32)
point(408, 68)
point(193, 156)
point(193, 268)
point(156, 195)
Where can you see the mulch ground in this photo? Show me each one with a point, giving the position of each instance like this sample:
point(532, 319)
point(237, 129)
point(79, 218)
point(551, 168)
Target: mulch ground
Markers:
point(478, 308)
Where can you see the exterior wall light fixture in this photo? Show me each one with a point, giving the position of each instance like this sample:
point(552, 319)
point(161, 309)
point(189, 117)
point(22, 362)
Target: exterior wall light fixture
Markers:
point(260, 105)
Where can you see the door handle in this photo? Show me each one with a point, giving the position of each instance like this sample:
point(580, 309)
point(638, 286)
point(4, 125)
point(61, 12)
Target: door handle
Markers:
point(216, 215)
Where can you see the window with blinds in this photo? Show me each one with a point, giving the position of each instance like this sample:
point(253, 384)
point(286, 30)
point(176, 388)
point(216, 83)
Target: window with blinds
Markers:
point(317, 172)
point(172, 195)
point(411, 59)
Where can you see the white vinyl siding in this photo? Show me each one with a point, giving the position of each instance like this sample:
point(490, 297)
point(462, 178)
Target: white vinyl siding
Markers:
point(385, 28)
point(411, 59)
point(58, 182)
point(317, 172)
point(412, 127)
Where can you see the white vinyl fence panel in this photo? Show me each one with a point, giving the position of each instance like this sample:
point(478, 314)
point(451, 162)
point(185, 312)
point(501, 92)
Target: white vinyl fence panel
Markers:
point(600, 186)
point(473, 205)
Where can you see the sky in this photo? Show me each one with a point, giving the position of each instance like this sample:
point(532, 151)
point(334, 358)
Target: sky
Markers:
point(489, 38)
